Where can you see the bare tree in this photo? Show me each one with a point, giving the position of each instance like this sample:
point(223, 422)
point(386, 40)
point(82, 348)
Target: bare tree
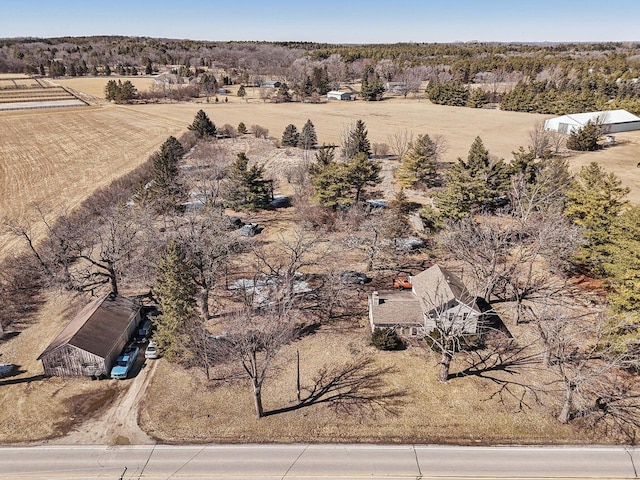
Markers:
point(540, 141)
point(586, 368)
point(254, 339)
point(399, 142)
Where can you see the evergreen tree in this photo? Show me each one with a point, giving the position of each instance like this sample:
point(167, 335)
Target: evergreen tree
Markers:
point(586, 138)
point(330, 185)
point(73, 72)
point(451, 93)
point(107, 70)
point(290, 136)
point(362, 172)
point(419, 164)
point(242, 92)
point(356, 141)
point(202, 125)
point(477, 98)
point(319, 81)
point(111, 90)
point(475, 185)
point(622, 264)
point(283, 94)
point(94, 70)
point(594, 202)
point(371, 88)
point(242, 128)
point(148, 69)
point(246, 187)
point(308, 138)
point(165, 191)
point(176, 291)
point(42, 72)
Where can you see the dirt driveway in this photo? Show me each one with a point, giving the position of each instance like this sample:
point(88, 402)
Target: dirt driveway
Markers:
point(118, 425)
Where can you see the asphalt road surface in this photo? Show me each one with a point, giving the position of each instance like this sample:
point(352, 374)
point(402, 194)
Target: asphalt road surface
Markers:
point(311, 462)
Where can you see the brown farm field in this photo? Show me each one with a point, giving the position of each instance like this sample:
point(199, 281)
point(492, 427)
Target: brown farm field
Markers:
point(57, 158)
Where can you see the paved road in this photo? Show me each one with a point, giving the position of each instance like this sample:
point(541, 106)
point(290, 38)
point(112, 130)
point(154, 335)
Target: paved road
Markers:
point(314, 462)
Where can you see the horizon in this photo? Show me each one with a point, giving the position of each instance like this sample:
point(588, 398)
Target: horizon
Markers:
point(360, 22)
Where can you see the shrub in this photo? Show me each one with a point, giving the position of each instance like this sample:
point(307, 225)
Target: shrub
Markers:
point(386, 339)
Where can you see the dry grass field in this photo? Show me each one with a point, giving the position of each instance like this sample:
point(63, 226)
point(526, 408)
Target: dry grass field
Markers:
point(57, 158)
point(425, 411)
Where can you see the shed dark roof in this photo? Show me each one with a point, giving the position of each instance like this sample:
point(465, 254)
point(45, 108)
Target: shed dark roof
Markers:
point(98, 326)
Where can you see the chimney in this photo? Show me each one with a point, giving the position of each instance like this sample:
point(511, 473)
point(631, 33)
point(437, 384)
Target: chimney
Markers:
point(375, 299)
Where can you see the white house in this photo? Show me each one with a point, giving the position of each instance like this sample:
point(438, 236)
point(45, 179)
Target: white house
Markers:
point(339, 95)
point(612, 121)
point(437, 299)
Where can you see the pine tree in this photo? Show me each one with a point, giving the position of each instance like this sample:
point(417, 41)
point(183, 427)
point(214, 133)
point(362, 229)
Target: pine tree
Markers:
point(622, 264)
point(477, 98)
point(475, 185)
point(242, 92)
point(42, 72)
point(176, 290)
point(330, 185)
point(594, 201)
point(246, 186)
point(586, 138)
point(419, 164)
point(290, 136)
point(371, 88)
point(111, 90)
point(165, 191)
point(283, 94)
point(107, 70)
point(308, 138)
point(356, 141)
point(362, 172)
point(148, 69)
point(202, 125)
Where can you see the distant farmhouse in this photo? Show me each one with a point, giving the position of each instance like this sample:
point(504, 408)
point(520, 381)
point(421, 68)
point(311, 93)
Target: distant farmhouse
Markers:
point(90, 344)
point(340, 95)
point(395, 87)
point(436, 295)
point(271, 84)
point(612, 121)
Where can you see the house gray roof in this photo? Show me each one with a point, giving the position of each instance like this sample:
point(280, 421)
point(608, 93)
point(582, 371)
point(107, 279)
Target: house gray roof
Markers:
point(98, 326)
point(437, 286)
point(391, 303)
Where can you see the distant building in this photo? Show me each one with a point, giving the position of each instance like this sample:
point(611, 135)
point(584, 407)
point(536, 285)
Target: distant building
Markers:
point(90, 344)
point(395, 87)
point(612, 121)
point(271, 84)
point(339, 95)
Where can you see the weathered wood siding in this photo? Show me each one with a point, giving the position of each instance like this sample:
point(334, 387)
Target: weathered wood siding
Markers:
point(69, 361)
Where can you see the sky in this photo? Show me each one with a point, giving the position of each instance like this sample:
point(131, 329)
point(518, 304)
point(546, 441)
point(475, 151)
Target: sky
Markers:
point(330, 21)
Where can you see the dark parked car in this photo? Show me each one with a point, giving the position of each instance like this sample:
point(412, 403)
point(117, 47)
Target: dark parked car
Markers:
point(352, 277)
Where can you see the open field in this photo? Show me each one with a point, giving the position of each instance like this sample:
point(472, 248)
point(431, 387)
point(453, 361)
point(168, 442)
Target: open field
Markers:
point(56, 158)
point(94, 86)
point(59, 157)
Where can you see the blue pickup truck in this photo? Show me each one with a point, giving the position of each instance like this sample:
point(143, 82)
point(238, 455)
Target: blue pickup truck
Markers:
point(124, 363)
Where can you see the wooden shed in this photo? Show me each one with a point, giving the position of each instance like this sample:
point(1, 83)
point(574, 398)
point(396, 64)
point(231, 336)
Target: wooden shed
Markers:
point(91, 342)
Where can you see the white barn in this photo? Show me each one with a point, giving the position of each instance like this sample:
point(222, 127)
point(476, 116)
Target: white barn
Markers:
point(339, 95)
point(612, 121)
